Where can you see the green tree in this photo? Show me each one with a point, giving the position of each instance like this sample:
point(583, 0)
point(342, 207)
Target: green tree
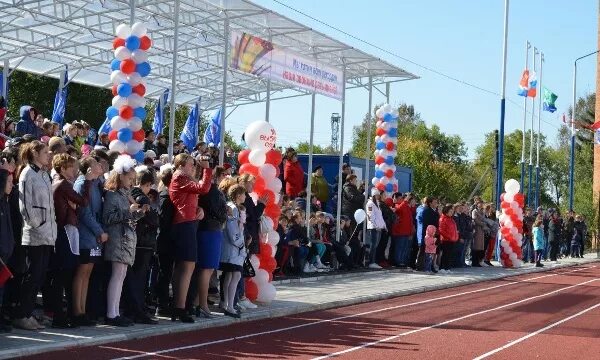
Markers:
point(303, 147)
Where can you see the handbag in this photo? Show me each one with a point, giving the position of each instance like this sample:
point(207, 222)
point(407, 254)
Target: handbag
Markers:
point(248, 269)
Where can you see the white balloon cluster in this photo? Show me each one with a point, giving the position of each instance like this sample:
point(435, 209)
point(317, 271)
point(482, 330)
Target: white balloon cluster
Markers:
point(511, 225)
point(386, 141)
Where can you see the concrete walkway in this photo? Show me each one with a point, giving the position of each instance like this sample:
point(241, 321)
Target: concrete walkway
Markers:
point(293, 296)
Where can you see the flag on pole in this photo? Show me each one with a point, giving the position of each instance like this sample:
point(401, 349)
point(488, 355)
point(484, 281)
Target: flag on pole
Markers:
point(213, 130)
point(524, 83)
point(532, 91)
point(60, 100)
point(159, 114)
point(189, 135)
point(549, 100)
point(105, 127)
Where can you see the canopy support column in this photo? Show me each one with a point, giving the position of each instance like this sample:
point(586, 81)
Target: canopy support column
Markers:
point(5, 76)
point(340, 184)
point(310, 163)
point(174, 81)
point(224, 100)
point(387, 92)
point(268, 102)
point(368, 152)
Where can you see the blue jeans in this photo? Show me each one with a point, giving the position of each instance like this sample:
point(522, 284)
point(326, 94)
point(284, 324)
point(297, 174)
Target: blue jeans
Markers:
point(458, 257)
point(402, 249)
point(374, 235)
point(428, 262)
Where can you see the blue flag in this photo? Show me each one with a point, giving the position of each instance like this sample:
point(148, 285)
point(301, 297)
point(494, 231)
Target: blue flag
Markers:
point(105, 127)
point(189, 135)
point(159, 114)
point(60, 101)
point(213, 130)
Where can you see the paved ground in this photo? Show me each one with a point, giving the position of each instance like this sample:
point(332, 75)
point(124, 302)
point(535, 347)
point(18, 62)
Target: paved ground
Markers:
point(375, 320)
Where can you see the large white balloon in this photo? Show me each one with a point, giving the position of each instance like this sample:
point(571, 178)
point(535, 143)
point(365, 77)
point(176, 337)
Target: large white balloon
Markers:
point(360, 215)
point(266, 293)
point(135, 79)
point(134, 100)
point(122, 53)
point(379, 113)
point(138, 29)
point(512, 186)
point(275, 185)
point(117, 77)
point(139, 56)
point(117, 123)
point(135, 124)
point(123, 31)
point(133, 146)
point(267, 171)
point(117, 145)
point(260, 135)
point(119, 101)
point(255, 261)
point(273, 238)
point(257, 157)
point(268, 223)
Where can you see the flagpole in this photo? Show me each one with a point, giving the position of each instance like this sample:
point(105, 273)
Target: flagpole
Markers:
point(539, 135)
point(572, 155)
point(174, 80)
point(499, 174)
point(535, 52)
point(224, 99)
point(527, 47)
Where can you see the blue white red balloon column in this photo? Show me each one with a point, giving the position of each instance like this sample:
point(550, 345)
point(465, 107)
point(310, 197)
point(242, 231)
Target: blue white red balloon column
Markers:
point(386, 140)
point(129, 68)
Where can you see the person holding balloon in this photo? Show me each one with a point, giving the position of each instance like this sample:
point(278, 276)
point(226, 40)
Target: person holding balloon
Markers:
point(375, 224)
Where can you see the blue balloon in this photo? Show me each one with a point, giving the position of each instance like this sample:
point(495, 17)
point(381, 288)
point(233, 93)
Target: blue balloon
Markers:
point(124, 135)
point(389, 187)
point(124, 90)
point(132, 43)
point(139, 156)
point(143, 69)
point(111, 112)
point(393, 132)
point(389, 160)
point(388, 117)
point(380, 145)
point(115, 64)
point(378, 174)
point(139, 113)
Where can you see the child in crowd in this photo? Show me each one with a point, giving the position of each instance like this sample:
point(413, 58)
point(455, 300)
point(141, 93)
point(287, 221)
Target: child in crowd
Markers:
point(575, 242)
point(319, 237)
point(298, 242)
point(430, 248)
point(538, 241)
point(283, 251)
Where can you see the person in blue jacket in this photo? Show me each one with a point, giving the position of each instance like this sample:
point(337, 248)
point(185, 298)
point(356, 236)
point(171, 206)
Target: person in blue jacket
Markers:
point(27, 123)
point(538, 241)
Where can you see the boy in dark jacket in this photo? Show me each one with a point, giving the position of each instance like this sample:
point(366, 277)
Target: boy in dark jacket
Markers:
point(166, 257)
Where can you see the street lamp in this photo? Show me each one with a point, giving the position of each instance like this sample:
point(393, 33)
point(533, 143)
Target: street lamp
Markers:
point(572, 160)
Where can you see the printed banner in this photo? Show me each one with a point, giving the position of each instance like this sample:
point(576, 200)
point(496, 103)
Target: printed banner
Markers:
point(260, 57)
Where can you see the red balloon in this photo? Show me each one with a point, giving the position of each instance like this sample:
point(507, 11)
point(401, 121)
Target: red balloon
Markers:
point(251, 289)
point(270, 194)
point(139, 89)
point(268, 264)
point(248, 168)
point(509, 211)
point(259, 186)
point(274, 157)
point(389, 146)
point(277, 171)
point(114, 90)
point(270, 276)
point(395, 186)
point(112, 135)
point(380, 132)
point(379, 123)
point(379, 160)
point(139, 135)
point(243, 156)
point(505, 205)
point(126, 112)
point(265, 251)
point(519, 197)
point(389, 173)
point(273, 213)
point(118, 42)
point(502, 197)
point(380, 187)
point(145, 42)
point(128, 66)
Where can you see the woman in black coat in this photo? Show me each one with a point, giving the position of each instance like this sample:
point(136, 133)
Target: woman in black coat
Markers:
point(253, 212)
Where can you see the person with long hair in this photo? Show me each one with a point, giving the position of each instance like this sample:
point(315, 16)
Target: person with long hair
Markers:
point(118, 215)
point(375, 224)
point(39, 228)
point(184, 192)
point(165, 240)
point(448, 237)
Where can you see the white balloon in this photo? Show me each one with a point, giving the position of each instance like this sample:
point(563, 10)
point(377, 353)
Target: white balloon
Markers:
point(262, 277)
point(117, 77)
point(512, 186)
point(509, 197)
point(139, 56)
point(395, 113)
point(266, 293)
point(133, 147)
point(134, 100)
point(260, 135)
point(377, 139)
point(117, 123)
point(268, 222)
point(139, 29)
point(273, 238)
point(379, 113)
point(360, 215)
point(123, 31)
point(384, 180)
point(119, 101)
point(267, 171)
point(122, 53)
point(257, 157)
point(374, 181)
point(387, 108)
point(117, 145)
point(277, 198)
point(135, 124)
point(255, 261)
point(135, 79)
point(275, 185)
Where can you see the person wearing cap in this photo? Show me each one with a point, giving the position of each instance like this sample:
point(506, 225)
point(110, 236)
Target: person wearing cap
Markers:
point(293, 174)
point(150, 154)
point(27, 123)
point(320, 186)
point(375, 224)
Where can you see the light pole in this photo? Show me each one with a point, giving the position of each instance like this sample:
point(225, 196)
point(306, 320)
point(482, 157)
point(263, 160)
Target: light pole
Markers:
point(572, 160)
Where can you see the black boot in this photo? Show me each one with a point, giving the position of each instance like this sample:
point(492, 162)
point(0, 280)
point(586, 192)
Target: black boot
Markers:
point(182, 315)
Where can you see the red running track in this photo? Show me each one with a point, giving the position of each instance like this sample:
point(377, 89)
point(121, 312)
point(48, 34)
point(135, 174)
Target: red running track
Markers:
point(555, 314)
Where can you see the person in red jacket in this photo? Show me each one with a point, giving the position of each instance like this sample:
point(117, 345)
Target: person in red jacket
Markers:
point(293, 175)
point(448, 237)
point(184, 192)
point(403, 229)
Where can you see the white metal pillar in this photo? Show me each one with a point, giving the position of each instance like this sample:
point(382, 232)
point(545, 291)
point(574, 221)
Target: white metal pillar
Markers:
point(174, 80)
point(224, 100)
point(387, 92)
point(132, 12)
point(268, 102)
point(368, 153)
point(340, 184)
point(310, 163)
point(5, 76)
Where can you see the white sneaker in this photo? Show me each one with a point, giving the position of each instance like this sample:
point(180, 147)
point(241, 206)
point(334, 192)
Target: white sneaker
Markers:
point(308, 268)
point(247, 304)
point(374, 266)
point(314, 268)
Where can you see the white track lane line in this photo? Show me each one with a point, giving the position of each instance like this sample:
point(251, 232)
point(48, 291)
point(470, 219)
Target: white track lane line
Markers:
point(391, 338)
point(537, 332)
point(143, 354)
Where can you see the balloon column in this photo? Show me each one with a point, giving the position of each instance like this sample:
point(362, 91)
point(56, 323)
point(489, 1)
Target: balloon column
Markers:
point(129, 68)
point(511, 225)
point(386, 139)
point(262, 161)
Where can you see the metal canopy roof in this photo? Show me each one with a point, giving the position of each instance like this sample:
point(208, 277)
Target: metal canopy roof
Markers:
point(42, 36)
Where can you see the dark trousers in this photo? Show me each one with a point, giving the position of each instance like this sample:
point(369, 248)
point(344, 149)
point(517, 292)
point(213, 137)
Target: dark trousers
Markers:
point(136, 282)
point(554, 249)
point(414, 252)
point(459, 249)
point(420, 265)
point(383, 242)
point(476, 257)
point(38, 258)
point(538, 256)
point(166, 262)
point(357, 255)
point(60, 286)
point(96, 297)
point(447, 255)
point(340, 254)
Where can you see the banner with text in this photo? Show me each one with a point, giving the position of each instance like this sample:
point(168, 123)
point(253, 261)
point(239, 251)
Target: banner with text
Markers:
point(260, 57)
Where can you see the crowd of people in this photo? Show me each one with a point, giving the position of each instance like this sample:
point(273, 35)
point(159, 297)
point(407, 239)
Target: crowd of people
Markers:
point(104, 238)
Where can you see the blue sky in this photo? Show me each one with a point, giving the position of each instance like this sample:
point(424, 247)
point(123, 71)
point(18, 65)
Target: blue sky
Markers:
point(460, 38)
